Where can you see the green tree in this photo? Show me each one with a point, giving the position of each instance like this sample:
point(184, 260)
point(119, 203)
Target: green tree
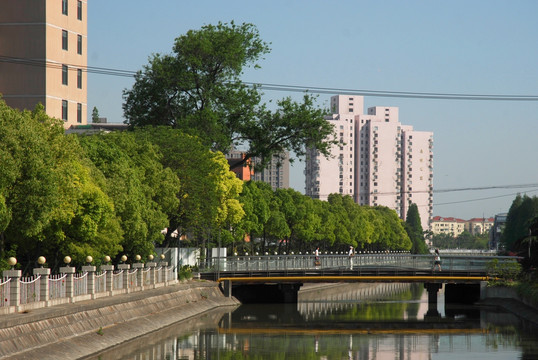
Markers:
point(95, 115)
point(143, 191)
point(208, 193)
point(414, 230)
point(518, 222)
point(198, 89)
point(342, 235)
point(255, 199)
point(50, 202)
point(326, 232)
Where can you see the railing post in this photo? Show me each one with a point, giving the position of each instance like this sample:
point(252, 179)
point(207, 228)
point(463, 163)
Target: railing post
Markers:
point(152, 265)
point(139, 274)
point(14, 286)
point(109, 278)
point(91, 279)
point(43, 283)
point(164, 266)
point(69, 282)
point(125, 278)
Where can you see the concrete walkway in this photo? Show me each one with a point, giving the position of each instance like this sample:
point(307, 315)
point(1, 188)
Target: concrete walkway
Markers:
point(75, 331)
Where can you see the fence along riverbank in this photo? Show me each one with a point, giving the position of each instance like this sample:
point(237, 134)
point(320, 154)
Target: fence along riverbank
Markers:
point(20, 294)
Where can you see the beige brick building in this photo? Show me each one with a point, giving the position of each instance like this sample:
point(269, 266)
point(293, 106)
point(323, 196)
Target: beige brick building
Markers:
point(447, 225)
point(43, 56)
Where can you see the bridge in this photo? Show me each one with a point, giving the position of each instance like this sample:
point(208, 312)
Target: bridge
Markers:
point(251, 277)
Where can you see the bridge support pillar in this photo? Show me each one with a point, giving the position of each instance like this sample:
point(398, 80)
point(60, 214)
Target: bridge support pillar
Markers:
point(433, 289)
point(227, 288)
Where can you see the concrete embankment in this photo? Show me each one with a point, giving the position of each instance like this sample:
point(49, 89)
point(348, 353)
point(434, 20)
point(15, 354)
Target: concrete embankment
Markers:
point(507, 298)
point(74, 331)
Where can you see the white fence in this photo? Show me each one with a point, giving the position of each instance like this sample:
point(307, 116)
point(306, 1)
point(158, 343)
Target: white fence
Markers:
point(43, 289)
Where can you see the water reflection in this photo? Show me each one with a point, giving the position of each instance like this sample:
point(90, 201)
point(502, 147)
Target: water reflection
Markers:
point(342, 322)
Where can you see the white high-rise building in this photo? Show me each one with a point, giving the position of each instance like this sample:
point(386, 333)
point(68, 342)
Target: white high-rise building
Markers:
point(378, 160)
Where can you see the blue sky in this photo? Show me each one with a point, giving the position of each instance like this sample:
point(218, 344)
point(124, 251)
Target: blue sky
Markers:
point(465, 47)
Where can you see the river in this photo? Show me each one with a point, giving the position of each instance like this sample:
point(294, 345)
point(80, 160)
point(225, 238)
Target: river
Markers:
point(355, 321)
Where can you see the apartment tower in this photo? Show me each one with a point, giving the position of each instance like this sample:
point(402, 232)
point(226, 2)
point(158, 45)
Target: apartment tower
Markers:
point(43, 57)
point(378, 161)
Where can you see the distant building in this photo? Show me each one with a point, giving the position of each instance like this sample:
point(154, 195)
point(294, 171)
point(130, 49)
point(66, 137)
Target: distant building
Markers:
point(378, 161)
point(242, 172)
point(93, 128)
point(454, 226)
point(276, 174)
point(478, 226)
point(43, 57)
point(496, 230)
point(448, 225)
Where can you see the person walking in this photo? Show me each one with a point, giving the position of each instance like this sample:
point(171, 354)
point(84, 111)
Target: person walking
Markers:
point(350, 255)
point(317, 262)
point(437, 260)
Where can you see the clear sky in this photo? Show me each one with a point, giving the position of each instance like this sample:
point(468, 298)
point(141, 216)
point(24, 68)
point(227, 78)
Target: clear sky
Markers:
point(485, 47)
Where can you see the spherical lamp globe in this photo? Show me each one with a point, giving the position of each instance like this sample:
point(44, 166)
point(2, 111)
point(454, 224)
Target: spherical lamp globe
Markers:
point(12, 261)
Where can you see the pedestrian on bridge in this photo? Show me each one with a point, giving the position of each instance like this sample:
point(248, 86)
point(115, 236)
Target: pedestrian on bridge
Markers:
point(437, 260)
point(317, 262)
point(351, 254)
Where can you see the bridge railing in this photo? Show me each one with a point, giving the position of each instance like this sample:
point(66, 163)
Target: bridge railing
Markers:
point(332, 262)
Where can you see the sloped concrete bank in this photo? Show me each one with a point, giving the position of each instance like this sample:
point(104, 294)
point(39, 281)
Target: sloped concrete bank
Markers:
point(74, 331)
point(507, 299)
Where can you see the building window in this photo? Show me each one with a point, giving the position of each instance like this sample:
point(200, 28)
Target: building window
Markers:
point(79, 44)
point(64, 39)
point(64, 7)
point(64, 74)
point(79, 78)
point(79, 113)
point(79, 10)
point(64, 110)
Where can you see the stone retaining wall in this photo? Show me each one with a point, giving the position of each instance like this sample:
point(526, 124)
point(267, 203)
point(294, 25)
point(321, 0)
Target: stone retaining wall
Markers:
point(73, 331)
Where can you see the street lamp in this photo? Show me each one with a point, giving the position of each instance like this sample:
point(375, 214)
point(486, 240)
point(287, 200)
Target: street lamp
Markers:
point(41, 260)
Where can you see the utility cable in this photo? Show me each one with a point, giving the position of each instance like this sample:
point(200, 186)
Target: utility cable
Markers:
point(295, 88)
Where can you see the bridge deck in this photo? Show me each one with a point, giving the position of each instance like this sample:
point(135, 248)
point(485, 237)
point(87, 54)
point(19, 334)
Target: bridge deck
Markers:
point(379, 267)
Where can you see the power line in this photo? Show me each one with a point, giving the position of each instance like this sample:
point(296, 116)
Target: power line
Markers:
point(55, 65)
point(513, 186)
point(295, 88)
point(480, 199)
point(399, 94)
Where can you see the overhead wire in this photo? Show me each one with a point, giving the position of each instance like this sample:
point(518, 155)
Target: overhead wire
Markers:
point(320, 90)
point(294, 88)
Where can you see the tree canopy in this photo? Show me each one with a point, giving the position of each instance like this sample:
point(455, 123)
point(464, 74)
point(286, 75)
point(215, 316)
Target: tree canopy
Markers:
point(289, 221)
point(414, 230)
point(198, 90)
point(50, 201)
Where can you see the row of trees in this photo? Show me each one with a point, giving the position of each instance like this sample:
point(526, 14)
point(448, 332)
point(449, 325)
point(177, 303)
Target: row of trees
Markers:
point(113, 194)
point(104, 194)
point(286, 220)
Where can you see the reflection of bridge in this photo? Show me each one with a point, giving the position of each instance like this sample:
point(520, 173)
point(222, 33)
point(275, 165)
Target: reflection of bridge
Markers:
point(278, 277)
